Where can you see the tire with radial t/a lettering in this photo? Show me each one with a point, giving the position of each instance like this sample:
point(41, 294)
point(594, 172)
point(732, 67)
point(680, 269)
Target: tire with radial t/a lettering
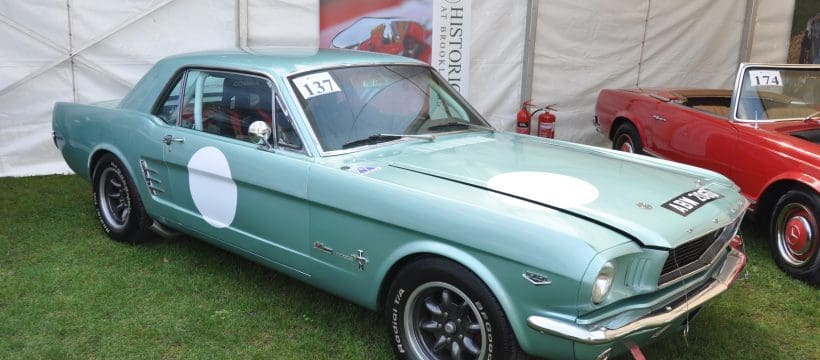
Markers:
point(118, 204)
point(437, 309)
point(793, 235)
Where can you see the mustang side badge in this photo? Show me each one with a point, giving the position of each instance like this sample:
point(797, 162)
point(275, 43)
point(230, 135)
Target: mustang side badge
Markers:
point(691, 201)
point(357, 258)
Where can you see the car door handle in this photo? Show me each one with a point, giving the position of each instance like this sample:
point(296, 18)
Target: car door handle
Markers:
point(168, 139)
point(658, 117)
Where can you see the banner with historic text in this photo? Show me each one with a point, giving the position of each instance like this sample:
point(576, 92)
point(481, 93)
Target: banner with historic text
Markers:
point(433, 31)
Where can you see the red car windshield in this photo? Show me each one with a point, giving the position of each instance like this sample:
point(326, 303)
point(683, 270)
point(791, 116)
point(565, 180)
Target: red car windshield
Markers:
point(779, 93)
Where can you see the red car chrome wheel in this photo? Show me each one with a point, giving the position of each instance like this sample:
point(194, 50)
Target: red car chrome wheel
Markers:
point(626, 144)
point(796, 236)
point(627, 139)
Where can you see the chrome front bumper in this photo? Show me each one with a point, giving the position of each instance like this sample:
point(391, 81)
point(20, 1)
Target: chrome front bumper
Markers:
point(730, 270)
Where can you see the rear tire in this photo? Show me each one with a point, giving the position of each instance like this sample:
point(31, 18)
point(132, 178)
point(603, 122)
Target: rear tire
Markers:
point(793, 235)
point(118, 204)
point(627, 139)
point(437, 309)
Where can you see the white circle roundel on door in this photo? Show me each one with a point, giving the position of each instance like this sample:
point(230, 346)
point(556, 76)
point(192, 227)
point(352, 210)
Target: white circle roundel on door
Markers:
point(212, 187)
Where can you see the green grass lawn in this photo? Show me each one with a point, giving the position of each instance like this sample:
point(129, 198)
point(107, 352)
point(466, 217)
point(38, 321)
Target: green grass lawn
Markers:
point(66, 291)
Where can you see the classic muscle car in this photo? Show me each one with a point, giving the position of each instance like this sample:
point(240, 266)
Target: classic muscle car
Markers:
point(367, 176)
point(764, 135)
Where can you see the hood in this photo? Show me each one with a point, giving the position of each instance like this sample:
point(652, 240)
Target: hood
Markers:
point(808, 131)
point(631, 194)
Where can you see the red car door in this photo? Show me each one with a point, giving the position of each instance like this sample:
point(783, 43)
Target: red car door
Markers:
point(694, 137)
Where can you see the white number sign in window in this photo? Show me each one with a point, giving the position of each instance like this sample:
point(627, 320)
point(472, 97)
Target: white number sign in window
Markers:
point(765, 78)
point(315, 84)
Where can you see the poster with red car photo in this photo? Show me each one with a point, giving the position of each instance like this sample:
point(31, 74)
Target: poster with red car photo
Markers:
point(433, 31)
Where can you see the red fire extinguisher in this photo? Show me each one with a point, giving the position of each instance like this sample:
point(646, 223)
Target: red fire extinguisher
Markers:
point(546, 122)
point(522, 122)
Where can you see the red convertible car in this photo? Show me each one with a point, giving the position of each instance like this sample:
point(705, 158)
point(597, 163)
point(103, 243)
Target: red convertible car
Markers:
point(764, 135)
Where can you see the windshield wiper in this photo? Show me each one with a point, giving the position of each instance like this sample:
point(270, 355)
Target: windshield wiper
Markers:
point(812, 116)
point(378, 138)
point(458, 124)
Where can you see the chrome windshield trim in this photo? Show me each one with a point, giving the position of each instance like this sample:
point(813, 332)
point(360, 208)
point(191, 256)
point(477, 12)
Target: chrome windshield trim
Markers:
point(739, 82)
point(315, 139)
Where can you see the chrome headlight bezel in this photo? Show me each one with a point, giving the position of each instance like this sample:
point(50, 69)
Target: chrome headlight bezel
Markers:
point(603, 282)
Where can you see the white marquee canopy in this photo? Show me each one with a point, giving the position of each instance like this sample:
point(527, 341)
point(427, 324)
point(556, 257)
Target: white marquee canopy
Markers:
point(89, 50)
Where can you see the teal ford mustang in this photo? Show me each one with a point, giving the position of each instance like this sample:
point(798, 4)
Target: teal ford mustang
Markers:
point(367, 176)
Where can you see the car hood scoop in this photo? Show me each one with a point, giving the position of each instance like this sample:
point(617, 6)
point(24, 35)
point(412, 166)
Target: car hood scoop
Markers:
point(811, 135)
point(613, 189)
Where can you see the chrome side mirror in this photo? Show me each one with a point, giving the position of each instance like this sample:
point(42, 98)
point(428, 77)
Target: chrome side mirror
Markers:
point(260, 133)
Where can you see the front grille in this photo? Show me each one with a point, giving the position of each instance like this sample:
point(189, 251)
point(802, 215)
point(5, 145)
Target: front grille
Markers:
point(688, 253)
point(692, 255)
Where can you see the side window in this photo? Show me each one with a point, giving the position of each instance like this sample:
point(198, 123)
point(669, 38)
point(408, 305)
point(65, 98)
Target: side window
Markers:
point(225, 104)
point(286, 134)
point(168, 109)
point(193, 81)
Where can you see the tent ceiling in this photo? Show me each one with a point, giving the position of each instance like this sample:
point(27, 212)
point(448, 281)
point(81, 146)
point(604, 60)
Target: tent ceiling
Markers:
point(86, 51)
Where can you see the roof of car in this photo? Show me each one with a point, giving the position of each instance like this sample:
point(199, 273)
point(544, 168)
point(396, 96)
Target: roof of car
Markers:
point(283, 62)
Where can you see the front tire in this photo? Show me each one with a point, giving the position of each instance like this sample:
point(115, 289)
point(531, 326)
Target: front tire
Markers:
point(118, 205)
point(627, 139)
point(793, 235)
point(438, 309)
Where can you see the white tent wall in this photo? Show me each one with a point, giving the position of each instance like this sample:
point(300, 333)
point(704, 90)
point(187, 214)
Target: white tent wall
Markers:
point(627, 44)
point(570, 66)
point(771, 31)
point(114, 43)
point(580, 48)
point(496, 59)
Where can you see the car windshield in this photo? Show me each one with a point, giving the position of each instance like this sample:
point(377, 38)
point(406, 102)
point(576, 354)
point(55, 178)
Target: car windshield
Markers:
point(778, 93)
point(349, 107)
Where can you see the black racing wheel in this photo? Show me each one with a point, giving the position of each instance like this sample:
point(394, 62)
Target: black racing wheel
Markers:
point(437, 309)
point(118, 205)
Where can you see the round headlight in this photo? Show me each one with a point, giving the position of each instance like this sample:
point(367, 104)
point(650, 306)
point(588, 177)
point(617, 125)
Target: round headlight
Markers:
point(603, 282)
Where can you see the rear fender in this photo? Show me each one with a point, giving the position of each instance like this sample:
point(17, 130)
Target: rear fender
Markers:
point(98, 151)
point(630, 117)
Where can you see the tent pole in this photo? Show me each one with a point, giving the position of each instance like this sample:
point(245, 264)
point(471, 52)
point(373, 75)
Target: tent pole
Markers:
point(242, 24)
point(529, 50)
point(643, 42)
point(74, 90)
point(748, 30)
